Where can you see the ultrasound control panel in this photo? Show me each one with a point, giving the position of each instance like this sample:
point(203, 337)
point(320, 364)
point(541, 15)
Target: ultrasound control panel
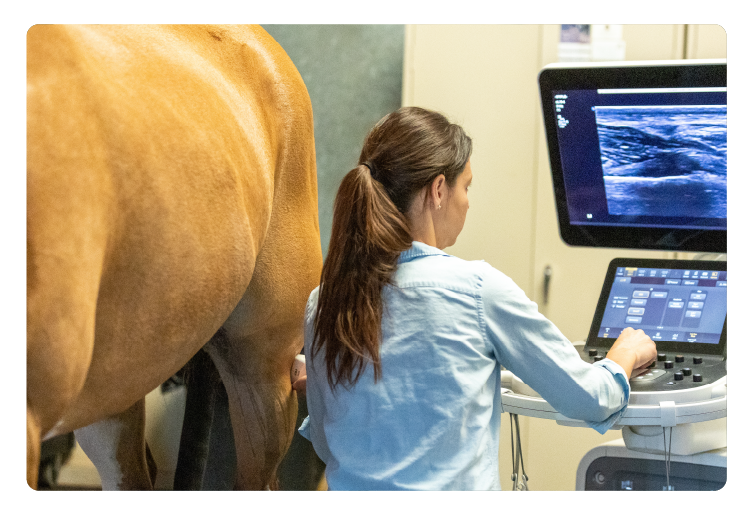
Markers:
point(671, 371)
point(681, 305)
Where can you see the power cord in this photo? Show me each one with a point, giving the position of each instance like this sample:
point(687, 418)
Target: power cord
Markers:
point(516, 457)
point(668, 449)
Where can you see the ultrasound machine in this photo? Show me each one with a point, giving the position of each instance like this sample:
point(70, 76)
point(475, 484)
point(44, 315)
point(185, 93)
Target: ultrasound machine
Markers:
point(638, 154)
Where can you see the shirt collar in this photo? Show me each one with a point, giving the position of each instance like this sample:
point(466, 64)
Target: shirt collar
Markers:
point(419, 250)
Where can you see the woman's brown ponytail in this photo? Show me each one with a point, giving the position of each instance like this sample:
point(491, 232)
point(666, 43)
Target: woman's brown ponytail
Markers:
point(404, 152)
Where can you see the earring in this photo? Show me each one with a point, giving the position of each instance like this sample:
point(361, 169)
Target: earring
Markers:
point(439, 206)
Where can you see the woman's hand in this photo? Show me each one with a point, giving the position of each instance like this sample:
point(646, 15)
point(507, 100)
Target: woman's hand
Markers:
point(634, 351)
point(298, 375)
point(299, 385)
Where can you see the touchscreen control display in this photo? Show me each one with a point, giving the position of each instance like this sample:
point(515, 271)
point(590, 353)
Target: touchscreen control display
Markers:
point(669, 304)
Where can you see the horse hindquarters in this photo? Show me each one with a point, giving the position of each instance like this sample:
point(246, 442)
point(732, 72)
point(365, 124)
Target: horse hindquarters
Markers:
point(255, 349)
point(254, 352)
point(67, 200)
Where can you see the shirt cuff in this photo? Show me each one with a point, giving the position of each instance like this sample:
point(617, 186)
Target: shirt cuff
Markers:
point(305, 428)
point(620, 377)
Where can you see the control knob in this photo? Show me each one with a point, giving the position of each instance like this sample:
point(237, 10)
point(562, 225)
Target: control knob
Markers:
point(678, 376)
point(697, 377)
point(679, 359)
point(668, 364)
point(697, 360)
point(662, 357)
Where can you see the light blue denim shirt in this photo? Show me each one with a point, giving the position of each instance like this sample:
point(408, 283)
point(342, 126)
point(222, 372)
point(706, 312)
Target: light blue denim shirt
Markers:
point(433, 420)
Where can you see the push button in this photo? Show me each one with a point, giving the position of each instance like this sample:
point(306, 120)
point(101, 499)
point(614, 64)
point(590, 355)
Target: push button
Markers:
point(686, 371)
point(662, 357)
point(678, 376)
point(697, 377)
point(679, 359)
point(592, 352)
point(698, 360)
point(668, 364)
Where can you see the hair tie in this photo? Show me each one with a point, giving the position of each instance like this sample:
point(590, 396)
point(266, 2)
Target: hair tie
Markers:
point(370, 167)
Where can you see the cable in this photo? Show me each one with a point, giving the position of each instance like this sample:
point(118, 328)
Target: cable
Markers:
point(516, 457)
point(668, 449)
point(513, 459)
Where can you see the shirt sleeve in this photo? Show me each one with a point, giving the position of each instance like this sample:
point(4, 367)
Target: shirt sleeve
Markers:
point(535, 350)
point(305, 428)
point(620, 376)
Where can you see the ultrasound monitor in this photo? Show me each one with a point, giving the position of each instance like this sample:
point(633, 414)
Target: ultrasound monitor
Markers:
point(638, 153)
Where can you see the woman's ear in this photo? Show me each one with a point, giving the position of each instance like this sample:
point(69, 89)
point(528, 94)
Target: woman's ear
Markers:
point(438, 190)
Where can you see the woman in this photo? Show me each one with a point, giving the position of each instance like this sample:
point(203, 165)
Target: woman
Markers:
point(404, 343)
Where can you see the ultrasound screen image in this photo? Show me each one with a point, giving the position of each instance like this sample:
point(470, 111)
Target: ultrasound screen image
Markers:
point(664, 161)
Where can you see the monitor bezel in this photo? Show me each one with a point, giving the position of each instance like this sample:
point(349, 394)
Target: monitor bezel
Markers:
point(594, 341)
point(622, 76)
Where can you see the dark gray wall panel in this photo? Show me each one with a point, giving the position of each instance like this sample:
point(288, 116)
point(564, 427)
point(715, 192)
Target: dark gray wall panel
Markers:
point(354, 77)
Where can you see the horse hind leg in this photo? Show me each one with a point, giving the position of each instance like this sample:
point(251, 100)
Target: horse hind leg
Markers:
point(262, 408)
point(33, 448)
point(117, 447)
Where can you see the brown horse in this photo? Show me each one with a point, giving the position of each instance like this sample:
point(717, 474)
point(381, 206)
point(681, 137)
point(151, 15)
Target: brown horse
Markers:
point(172, 201)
